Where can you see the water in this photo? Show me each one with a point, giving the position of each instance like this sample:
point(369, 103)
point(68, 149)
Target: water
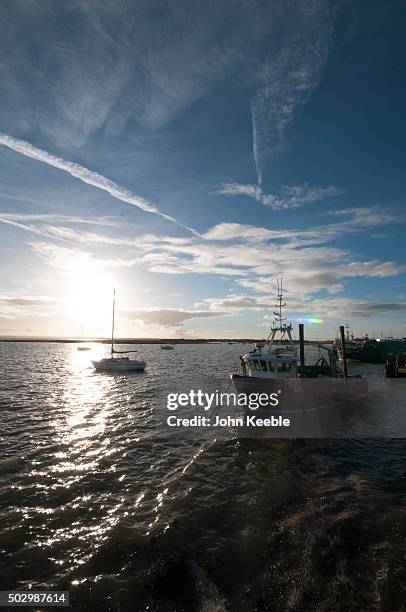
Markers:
point(99, 498)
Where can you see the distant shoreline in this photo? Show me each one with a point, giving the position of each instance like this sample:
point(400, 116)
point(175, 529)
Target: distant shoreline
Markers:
point(144, 340)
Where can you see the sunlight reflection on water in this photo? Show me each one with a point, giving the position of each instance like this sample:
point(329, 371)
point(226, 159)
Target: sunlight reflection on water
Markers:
point(94, 488)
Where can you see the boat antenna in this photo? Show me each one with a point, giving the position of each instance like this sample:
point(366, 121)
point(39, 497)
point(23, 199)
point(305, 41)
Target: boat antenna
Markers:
point(112, 323)
point(279, 305)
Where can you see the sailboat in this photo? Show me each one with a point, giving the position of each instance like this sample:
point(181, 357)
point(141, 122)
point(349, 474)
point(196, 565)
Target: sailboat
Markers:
point(82, 347)
point(118, 364)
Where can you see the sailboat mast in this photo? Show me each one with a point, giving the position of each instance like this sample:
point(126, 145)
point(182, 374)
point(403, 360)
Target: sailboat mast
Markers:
point(112, 323)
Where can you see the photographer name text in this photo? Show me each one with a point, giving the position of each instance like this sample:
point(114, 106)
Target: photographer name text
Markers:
point(217, 421)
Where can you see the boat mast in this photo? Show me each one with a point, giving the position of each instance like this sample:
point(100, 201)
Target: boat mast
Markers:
point(112, 323)
point(278, 324)
point(279, 318)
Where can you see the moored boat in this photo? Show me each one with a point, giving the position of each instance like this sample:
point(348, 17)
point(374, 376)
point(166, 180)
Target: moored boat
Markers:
point(276, 368)
point(370, 350)
point(118, 364)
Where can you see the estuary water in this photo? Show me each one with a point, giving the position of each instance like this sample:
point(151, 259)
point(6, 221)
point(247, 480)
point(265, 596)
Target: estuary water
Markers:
point(101, 498)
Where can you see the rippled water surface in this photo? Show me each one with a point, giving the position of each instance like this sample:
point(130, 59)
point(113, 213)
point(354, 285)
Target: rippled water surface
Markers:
point(100, 498)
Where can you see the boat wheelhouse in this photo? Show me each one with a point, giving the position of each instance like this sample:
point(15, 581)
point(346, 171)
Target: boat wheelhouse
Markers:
point(277, 357)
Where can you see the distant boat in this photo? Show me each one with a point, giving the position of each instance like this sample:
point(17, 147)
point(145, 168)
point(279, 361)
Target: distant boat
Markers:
point(118, 364)
point(83, 347)
point(167, 347)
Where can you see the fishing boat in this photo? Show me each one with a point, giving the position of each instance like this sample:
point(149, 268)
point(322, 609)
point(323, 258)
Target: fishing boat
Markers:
point(118, 364)
point(353, 345)
point(275, 368)
point(370, 350)
point(167, 347)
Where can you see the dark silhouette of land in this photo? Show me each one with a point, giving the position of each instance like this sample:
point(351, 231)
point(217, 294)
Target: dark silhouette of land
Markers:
point(142, 340)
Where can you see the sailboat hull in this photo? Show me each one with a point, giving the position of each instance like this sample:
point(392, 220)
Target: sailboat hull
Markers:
point(119, 364)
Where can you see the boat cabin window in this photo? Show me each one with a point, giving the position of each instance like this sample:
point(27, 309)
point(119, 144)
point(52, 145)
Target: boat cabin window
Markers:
point(256, 364)
point(263, 366)
point(285, 367)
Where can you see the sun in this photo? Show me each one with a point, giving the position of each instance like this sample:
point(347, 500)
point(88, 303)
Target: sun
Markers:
point(89, 299)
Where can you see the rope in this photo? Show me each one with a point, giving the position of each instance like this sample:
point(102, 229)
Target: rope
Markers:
point(214, 412)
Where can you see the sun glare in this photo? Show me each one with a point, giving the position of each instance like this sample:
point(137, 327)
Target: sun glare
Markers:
point(89, 298)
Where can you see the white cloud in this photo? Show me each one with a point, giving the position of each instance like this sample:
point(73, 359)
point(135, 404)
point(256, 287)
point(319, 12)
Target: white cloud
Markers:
point(29, 301)
point(21, 305)
point(289, 196)
point(85, 175)
point(327, 308)
point(55, 218)
point(167, 317)
point(359, 219)
point(250, 255)
point(234, 303)
point(72, 260)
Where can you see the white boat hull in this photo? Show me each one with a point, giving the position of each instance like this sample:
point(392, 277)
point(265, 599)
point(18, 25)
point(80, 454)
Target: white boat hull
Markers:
point(111, 364)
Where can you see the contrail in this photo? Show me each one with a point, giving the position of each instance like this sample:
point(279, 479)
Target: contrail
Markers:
point(27, 228)
point(86, 176)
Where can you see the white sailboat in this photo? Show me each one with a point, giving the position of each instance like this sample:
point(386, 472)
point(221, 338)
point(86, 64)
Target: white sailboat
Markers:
point(118, 364)
point(83, 347)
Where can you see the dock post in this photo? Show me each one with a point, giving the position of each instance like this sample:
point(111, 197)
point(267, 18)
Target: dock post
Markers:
point(343, 351)
point(301, 347)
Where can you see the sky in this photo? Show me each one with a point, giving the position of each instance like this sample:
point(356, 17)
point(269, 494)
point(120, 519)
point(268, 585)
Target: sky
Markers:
point(189, 153)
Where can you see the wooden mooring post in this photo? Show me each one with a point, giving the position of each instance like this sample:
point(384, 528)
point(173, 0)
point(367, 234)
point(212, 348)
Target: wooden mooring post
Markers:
point(343, 351)
point(301, 346)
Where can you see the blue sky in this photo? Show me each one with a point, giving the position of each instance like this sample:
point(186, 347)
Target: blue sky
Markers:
point(188, 153)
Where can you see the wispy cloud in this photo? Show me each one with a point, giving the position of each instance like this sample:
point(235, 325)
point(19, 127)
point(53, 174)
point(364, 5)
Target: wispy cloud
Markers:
point(113, 61)
point(328, 307)
point(75, 261)
point(167, 317)
point(358, 220)
point(55, 218)
point(22, 305)
point(29, 301)
point(250, 254)
point(85, 175)
point(289, 78)
point(26, 228)
point(289, 196)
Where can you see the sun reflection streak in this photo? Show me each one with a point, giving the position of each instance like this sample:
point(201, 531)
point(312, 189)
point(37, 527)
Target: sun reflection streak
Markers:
point(82, 449)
